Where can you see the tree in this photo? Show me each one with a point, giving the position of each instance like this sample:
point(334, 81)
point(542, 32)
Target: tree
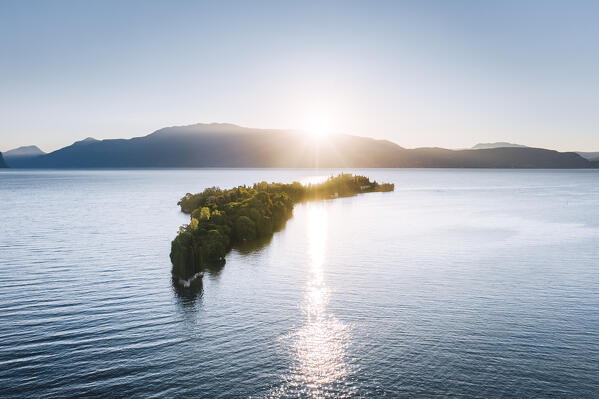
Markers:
point(245, 228)
point(205, 213)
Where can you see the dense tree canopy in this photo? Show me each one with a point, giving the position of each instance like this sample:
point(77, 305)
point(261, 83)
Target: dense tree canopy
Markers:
point(221, 219)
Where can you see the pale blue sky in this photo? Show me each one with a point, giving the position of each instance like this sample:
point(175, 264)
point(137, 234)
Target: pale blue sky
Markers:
point(419, 73)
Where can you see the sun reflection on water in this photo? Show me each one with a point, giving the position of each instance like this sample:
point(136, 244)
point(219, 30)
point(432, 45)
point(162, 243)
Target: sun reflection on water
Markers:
point(319, 346)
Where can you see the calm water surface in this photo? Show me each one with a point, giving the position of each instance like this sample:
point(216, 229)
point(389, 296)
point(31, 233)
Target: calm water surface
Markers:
point(462, 283)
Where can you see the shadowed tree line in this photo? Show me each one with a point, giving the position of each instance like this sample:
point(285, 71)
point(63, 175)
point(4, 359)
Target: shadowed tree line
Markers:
point(222, 219)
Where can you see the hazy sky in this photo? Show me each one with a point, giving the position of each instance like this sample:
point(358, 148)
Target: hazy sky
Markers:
point(420, 73)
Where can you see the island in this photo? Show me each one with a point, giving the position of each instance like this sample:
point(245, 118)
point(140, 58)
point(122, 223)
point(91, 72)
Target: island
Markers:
point(222, 219)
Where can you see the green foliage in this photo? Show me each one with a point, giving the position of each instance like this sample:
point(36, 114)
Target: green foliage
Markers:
point(204, 213)
point(245, 229)
point(221, 219)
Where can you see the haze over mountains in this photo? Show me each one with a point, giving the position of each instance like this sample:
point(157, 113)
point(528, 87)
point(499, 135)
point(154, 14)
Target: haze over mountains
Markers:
point(591, 156)
point(26, 151)
point(227, 145)
point(502, 144)
point(20, 156)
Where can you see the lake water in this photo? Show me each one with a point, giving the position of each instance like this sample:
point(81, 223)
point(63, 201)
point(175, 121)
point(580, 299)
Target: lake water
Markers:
point(470, 283)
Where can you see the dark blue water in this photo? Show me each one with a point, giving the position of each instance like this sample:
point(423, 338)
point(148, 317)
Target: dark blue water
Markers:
point(461, 283)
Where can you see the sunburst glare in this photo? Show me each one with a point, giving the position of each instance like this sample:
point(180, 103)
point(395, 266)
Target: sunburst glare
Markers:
point(318, 126)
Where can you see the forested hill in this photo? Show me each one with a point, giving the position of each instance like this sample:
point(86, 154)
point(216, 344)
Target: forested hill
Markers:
point(2, 163)
point(226, 145)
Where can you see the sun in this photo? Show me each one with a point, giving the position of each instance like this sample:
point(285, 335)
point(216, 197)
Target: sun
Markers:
point(317, 127)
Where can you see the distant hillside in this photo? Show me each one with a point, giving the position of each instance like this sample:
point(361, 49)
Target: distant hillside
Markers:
point(20, 156)
point(29, 150)
point(501, 144)
point(591, 156)
point(503, 157)
point(226, 145)
point(2, 163)
point(221, 145)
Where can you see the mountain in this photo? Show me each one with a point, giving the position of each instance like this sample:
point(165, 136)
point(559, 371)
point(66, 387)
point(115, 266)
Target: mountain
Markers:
point(501, 144)
point(591, 156)
point(26, 151)
point(2, 163)
point(20, 156)
point(221, 145)
point(502, 157)
point(86, 141)
point(227, 145)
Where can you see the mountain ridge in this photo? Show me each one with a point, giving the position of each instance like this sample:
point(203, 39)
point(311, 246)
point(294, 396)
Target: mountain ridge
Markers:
point(590, 155)
point(20, 155)
point(499, 144)
point(228, 145)
point(26, 150)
